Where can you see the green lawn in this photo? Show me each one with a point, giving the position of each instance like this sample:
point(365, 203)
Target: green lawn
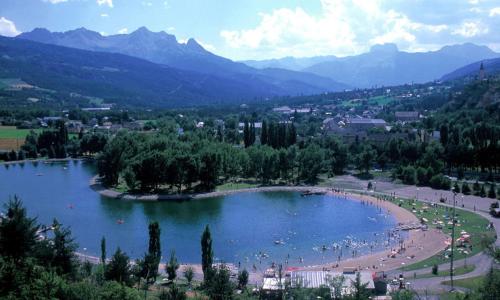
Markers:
point(11, 132)
point(458, 271)
point(469, 283)
point(380, 100)
point(235, 186)
point(472, 223)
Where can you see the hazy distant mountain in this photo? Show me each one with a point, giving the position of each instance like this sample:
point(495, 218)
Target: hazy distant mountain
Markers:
point(386, 65)
point(120, 78)
point(163, 48)
point(289, 63)
point(491, 66)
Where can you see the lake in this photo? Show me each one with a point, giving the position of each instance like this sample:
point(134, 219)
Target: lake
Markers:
point(251, 228)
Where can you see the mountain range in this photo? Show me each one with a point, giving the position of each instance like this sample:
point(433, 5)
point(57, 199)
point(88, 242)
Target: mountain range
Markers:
point(153, 68)
point(163, 48)
point(119, 78)
point(386, 65)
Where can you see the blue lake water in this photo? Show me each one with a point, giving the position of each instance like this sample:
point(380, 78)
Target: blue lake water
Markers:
point(246, 227)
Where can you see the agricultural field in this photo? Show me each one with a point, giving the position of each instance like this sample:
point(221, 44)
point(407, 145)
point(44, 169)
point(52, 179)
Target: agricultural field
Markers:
point(12, 138)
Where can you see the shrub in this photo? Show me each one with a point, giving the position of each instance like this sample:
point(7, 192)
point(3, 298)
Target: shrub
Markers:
point(440, 182)
point(465, 188)
point(409, 175)
point(435, 269)
point(491, 192)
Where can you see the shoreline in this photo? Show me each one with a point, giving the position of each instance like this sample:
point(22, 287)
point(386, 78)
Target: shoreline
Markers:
point(110, 193)
point(418, 245)
point(42, 160)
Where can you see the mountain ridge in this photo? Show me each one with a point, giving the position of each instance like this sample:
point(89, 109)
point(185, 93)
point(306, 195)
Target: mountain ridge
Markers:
point(386, 65)
point(163, 48)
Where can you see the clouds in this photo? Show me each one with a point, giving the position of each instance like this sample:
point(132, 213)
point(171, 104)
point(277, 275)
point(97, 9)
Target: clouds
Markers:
point(8, 28)
point(123, 31)
point(55, 1)
point(346, 27)
point(471, 29)
point(105, 2)
point(494, 12)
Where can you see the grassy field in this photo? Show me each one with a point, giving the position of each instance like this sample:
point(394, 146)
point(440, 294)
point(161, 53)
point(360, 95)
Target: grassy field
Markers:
point(11, 132)
point(469, 283)
point(469, 222)
point(458, 271)
point(235, 186)
point(380, 100)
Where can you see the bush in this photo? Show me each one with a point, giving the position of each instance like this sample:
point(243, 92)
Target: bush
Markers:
point(440, 182)
point(465, 188)
point(435, 269)
point(482, 192)
point(409, 175)
point(491, 192)
point(422, 176)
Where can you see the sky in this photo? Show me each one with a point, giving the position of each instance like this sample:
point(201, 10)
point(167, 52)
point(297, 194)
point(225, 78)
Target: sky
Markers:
point(264, 29)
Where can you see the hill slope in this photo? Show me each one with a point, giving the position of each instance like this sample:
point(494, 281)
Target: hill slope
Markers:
point(119, 78)
point(491, 67)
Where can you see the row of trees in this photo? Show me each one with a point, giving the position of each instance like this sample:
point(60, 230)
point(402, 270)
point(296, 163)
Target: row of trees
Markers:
point(55, 143)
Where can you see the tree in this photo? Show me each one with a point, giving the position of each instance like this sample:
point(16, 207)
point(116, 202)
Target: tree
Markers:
point(336, 283)
point(422, 177)
point(435, 269)
point(491, 285)
point(220, 286)
point(64, 260)
point(18, 233)
point(242, 279)
point(174, 293)
point(465, 188)
point(482, 192)
point(409, 175)
point(189, 274)
point(456, 187)
point(154, 249)
point(172, 266)
point(118, 269)
point(206, 254)
point(491, 192)
point(103, 251)
point(403, 295)
point(310, 163)
point(112, 290)
point(365, 159)
point(264, 138)
point(360, 290)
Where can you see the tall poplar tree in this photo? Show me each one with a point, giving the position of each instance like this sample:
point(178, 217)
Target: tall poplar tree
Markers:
point(206, 254)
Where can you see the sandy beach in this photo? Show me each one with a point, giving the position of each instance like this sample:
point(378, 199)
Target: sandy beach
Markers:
point(418, 246)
